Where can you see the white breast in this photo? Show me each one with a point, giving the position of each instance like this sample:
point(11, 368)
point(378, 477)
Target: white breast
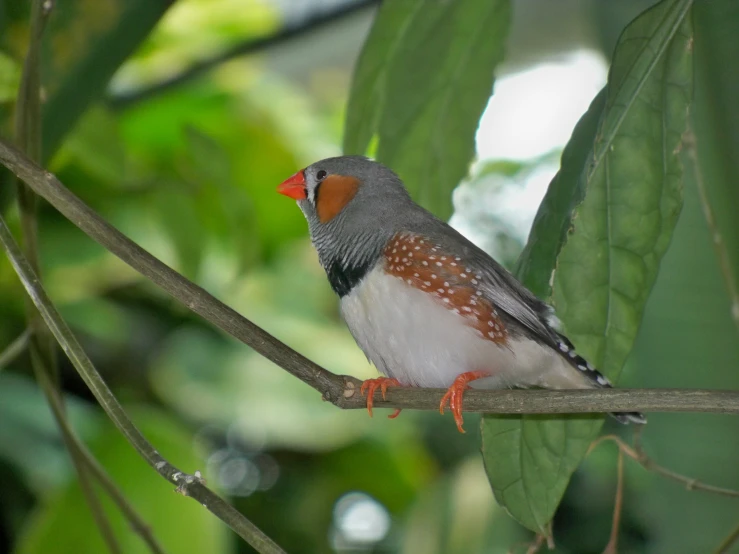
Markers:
point(409, 335)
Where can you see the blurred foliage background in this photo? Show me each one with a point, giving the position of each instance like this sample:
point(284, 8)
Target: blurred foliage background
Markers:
point(188, 169)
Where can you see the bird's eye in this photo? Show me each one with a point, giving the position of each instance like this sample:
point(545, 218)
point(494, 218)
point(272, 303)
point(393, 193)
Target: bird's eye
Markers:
point(321, 175)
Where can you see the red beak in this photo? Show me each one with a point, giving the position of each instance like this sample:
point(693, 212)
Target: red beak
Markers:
point(294, 186)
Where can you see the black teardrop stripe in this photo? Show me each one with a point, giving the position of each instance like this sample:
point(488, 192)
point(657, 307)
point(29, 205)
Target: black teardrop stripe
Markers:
point(344, 278)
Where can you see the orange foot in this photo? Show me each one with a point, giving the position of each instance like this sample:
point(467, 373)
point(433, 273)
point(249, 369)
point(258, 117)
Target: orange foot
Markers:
point(455, 393)
point(370, 386)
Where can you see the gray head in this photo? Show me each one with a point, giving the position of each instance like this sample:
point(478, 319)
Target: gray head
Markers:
point(353, 206)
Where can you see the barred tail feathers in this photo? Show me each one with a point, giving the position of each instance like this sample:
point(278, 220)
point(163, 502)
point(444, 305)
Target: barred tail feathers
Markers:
point(567, 351)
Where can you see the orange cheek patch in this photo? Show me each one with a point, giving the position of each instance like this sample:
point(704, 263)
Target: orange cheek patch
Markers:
point(335, 192)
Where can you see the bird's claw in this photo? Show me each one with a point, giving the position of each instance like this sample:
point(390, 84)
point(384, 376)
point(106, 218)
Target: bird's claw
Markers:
point(455, 394)
point(370, 386)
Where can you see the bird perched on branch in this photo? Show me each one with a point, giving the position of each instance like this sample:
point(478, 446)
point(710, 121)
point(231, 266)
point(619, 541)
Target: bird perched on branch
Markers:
point(427, 307)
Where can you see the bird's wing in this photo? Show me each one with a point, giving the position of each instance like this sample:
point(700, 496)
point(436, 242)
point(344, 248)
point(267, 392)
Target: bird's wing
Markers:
point(469, 282)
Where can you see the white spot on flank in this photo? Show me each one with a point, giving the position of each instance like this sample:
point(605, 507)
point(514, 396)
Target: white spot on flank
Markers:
point(602, 380)
point(397, 259)
point(432, 257)
point(433, 275)
point(405, 259)
point(563, 347)
point(404, 248)
point(463, 275)
point(424, 262)
point(395, 250)
point(440, 290)
point(457, 258)
point(443, 257)
point(453, 264)
point(474, 281)
point(446, 300)
point(427, 283)
point(446, 283)
point(417, 248)
point(572, 354)
point(438, 263)
point(479, 293)
point(416, 275)
point(466, 308)
point(582, 368)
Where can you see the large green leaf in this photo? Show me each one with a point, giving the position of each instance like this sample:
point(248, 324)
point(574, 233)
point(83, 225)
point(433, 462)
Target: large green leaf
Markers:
point(421, 84)
point(85, 43)
point(616, 237)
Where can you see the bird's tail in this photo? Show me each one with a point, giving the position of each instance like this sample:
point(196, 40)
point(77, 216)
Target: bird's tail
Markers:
point(567, 351)
point(629, 417)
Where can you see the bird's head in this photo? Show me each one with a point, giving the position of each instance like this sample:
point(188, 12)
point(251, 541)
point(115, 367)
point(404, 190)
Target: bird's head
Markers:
point(349, 202)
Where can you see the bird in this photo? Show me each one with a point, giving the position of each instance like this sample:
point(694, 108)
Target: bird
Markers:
point(427, 306)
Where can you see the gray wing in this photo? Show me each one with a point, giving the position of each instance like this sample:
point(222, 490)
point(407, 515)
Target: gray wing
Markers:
point(498, 285)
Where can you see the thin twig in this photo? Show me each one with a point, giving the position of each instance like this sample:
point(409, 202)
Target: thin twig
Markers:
point(612, 546)
point(77, 448)
point(719, 244)
point(728, 542)
point(43, 355)
point(83, 474)
point(637, 453)
point(342, 390)
point(188, 485)
point(250, 46)
point(14, 349)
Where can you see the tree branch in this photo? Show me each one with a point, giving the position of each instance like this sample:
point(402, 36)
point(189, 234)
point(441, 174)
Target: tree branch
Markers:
point(341, 390)
point(249, 46)
point(188, 485)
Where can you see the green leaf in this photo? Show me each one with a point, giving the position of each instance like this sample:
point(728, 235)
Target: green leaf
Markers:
point(421, 84)
point(64, 524)
point(615, 239)
point(85, 43)
point(565, 192)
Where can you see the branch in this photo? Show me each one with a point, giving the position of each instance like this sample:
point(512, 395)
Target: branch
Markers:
point(315, 21)
point(718, 240)
point(727, 543)
point(14, 349)
point(341, 390)
point(43, 355)
point(637, 453)
point(80, 452)
point(188, 485)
